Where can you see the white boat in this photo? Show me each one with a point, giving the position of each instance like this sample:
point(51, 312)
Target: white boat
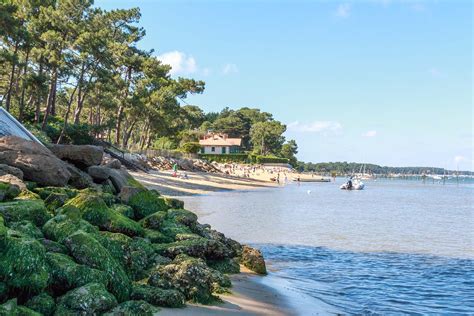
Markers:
point(356, 185)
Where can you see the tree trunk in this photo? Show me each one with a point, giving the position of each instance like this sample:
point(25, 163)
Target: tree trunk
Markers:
point(52, 90)
point(66, 116)
point(10, 84)
point(38, 98)
point(23, 88)
point(121, 108)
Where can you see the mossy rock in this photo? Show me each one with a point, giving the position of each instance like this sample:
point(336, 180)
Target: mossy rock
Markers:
point(196, 247)
point(94, 210)
point(125, 210)
point(136, 307)
point(90, 299)
point(155, 236)
point(192, 277)
point(171, 228)
point(153, 221)
point(3, 292)
point(228, 265)
point(87, 250)
point(174, 203)
point(52, 246)
point(44, 192)
point(133, 254)
point(11, 307)
point(182, 216)
point(158, 296)
point(3, 233)
point(55, 200)
point(30, 185)
point(146, 202)
point(253, 259)
point(61, 226)
point(27, 228)
point(66, 274)
point(31, 210)
point(42, 303)
point(27, 195)
point(8, 191)
point(23, 266)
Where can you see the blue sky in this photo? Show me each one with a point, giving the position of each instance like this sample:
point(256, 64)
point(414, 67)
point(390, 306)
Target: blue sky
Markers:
point(386, 82)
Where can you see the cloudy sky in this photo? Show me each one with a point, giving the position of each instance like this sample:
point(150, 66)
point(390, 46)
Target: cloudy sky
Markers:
point(387, 82)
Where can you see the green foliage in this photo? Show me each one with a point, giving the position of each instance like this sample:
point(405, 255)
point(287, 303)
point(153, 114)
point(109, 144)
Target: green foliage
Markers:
point(289, 151)
point(228, 158)
point(266, 137)
point(164, 143)
point(193, 147)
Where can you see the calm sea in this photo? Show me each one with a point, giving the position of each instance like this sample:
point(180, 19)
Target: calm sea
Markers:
point(396, 247)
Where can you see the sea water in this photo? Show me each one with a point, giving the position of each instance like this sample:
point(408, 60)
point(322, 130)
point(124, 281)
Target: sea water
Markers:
point(395, 247)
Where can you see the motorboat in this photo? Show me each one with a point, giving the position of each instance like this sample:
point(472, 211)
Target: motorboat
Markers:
point(356, 185)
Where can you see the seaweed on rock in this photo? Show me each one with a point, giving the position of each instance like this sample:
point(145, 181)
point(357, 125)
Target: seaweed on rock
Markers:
point(136, 307)
point(90, 299)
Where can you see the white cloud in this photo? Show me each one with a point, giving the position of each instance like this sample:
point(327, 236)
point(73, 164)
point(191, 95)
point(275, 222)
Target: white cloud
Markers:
point(458, 159)
point(372, 133)
point(180, 62)
point(343, 10)
point(230, 69)
point(315, 127)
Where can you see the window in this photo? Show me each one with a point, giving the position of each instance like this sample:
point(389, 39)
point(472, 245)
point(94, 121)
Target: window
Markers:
point(202, 150)
point(223, 150)
point(213, 149)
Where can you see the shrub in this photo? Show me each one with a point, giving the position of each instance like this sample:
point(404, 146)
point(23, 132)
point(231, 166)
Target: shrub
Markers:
point(239, 158)
point(192, 147)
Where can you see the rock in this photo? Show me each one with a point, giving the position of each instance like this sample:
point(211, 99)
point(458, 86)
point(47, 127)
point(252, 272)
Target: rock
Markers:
point(94, 210)
point(153, 221)
point(11, 307)
point(37, 163)
point(60, 227)
point(196, 247)
point(171, 229)
point(125, 210)
point(23, 266)
point(129, 308)
point(87, 250)
point(27, 228)
point(46, 191)
point(134, 255)
point(90, 299)
point(155, 236)
point(191, 276)
point(127, 192)
point(79, 179)
point(174, 203)
point(145, 202)
point(13, 180)
point(52, 246)
point(183, 216)
point(55, 200)
point(8, 191)
point(119, 177)
point(6, 169)
point(158, 296)
point(253, 259)
point(67, 274)
point(114, 164)
point(42, 303)
point(31, 210)
point(80, 155)
point(228, 265)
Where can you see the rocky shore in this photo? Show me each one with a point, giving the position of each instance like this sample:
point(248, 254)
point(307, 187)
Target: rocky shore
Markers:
point(79, 235)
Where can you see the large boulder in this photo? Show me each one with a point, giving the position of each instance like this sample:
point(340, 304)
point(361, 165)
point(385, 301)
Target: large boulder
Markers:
point(30, 210)
point(11, 307)
point(90, 299)
point(37, 163)
point(42, 303)
point(13, 180)
point(79, 179)
point(253, 259)
point(119, 177)
point(158, 296)
point(6, 169)
point(80, 155)
point(137, 307)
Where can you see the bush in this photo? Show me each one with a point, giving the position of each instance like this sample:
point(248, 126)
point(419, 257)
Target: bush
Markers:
point(239, 158)
point(192, 147)
point(270, 159)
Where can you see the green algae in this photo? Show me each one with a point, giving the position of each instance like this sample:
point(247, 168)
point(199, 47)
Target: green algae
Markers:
point(90, 299)
point(27, 228)
point(125, 210)
point(42, 303)
point(146, 202)
point(31, 210)
point(12, 308)
point(228, 265)
point(135, 307)
point(61, 226)
point(44, 192)
point(158, 296)
point(153, 221)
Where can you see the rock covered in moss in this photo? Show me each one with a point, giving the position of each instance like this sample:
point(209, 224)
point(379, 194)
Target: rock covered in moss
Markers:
point(23, 265)
point(60, 227)
point(11, 307)
point(158, 296)
point(87, 250)
point(145, 202)
point(174, 203)
point(66, 274)
point(79, 179)
point(55, 200)
point(155, 236)
point(44, 192)
point(27, 228)
point(52, 246)
point(10, 187)
point(170, 228)
point(205, 231)
point(195, 247)
point(125, 210)
point(253, 259)
point(153, 221)
point(182, 216)
point(228, 265)
point(42, 303)
point(120, 178)
point(31, 210)
point(191, 276)
point(93, 209)
point(136, 307)
point(90, 299)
